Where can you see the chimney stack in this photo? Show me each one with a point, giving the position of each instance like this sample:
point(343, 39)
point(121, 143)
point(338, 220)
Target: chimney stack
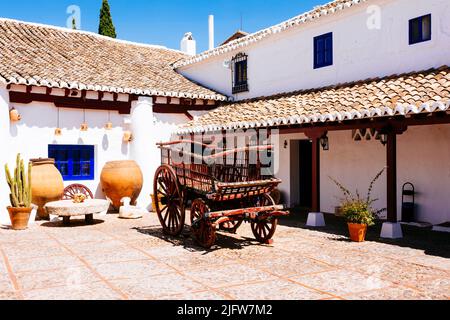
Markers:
point(188, 45)
point(211, 32)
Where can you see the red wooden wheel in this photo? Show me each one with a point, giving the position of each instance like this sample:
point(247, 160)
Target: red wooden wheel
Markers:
point(202, 229)
point(73, 189)
point(264, 229)
point(170, 209)
point(231, 226)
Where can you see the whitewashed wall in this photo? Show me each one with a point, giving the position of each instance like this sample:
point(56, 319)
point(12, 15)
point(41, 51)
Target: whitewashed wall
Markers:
point(35, 132)
point(284, 62)
point(423, 159)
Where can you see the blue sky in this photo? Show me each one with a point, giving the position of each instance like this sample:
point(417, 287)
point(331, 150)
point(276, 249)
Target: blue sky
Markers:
point(163, 22)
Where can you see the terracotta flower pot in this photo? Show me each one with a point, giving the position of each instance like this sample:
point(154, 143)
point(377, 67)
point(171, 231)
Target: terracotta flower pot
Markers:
point(19, 217)
point(121, 179)
point(357, 232)
point(47, 184)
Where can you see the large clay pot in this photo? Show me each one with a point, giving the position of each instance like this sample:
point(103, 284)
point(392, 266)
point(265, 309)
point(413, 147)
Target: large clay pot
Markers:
point(47, 184)
point(19, 217)
point(121, 179)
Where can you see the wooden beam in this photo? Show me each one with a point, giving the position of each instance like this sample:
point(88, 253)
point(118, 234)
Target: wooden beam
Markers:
point(190, 116)
point(376, 123)
point(71, 102)
point(172, 108)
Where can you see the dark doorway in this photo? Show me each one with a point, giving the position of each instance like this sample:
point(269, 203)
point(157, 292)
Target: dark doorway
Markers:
point(305, 174)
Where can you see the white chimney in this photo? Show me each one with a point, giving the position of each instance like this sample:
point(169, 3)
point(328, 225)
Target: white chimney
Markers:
point(188, 44)
point(211, 32)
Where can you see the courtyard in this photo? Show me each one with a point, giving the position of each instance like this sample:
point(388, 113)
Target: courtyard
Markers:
point(132, 259)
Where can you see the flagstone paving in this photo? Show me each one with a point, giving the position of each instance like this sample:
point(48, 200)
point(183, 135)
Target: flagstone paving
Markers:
point(132, 259)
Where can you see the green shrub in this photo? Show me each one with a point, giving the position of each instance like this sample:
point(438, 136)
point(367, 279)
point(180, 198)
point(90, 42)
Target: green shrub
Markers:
point(355, 209)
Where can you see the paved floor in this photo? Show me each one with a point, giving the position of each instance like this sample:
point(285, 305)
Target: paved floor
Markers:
point(123, 259)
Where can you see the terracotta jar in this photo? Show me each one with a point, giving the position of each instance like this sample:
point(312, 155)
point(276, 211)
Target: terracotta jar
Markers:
point(121, 179)
point(47, 184)
point(19, 217)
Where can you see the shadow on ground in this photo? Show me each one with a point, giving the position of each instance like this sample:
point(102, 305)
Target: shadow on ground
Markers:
point(74, 223)
point(223, 241)
point(433, 243)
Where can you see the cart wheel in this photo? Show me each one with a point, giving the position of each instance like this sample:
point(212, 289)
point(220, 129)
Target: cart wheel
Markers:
point(230, 226)
point(263, 230)
point(202, 229)
point(170, 209)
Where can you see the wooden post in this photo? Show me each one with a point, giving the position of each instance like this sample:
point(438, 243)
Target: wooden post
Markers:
point(315, 175)
point(391, 153)
point(315, 135)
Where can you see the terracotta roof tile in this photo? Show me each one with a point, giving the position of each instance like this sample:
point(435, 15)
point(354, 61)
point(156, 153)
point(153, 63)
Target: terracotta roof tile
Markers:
point(415, 92)
point(56, 57)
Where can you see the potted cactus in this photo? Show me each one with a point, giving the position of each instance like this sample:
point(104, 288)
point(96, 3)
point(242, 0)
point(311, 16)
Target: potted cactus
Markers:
point(20, 197)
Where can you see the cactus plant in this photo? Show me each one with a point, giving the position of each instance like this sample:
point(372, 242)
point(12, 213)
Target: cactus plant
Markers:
point(20, 184)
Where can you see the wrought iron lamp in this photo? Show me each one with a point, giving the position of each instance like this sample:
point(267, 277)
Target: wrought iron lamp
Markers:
point(325, 143)
point(383, 138)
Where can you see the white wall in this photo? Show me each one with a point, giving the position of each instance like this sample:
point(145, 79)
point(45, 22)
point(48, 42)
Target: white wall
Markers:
point(4, 155)
point(284, 62)
point(32, 135)
point(148, 129)
point(423, 159)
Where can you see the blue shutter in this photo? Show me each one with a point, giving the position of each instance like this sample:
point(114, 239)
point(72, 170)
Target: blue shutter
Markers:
point(420, 29)
point(323, 50)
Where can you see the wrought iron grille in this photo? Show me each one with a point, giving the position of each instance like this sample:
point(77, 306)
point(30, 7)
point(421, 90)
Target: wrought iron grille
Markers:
point(239, 69)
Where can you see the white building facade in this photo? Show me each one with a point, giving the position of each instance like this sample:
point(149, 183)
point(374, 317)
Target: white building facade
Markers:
point(370, 39)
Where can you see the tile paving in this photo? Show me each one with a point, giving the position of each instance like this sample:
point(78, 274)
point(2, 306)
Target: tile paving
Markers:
point(117, 259)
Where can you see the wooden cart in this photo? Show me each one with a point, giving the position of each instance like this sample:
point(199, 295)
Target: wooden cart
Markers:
point(224, 189)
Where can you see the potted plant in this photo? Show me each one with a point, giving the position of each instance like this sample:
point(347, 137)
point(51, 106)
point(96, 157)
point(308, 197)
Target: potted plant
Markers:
point(358, 211)
point(20, 197)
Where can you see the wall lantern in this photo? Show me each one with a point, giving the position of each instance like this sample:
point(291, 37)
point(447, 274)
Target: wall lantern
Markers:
point(14, 115)
point(285, 144)
point(383, 138)
point(325, 143)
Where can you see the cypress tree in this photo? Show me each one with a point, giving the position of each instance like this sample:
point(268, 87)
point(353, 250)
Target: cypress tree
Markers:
point(106, 27)
point(74, 24)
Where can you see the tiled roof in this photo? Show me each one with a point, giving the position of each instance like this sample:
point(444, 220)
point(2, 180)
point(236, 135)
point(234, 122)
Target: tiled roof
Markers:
point(411, 93)
point(39, 55)
point(317, 13)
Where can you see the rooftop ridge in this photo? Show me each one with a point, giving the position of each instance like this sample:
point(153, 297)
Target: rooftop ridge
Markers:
point(89, 33)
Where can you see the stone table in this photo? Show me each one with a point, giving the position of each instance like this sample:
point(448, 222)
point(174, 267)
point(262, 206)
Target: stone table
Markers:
point(67, 209)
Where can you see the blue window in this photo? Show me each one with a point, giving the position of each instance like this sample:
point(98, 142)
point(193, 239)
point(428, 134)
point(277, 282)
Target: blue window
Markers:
point(76, 163)
point(323, 50)
point(420, 29)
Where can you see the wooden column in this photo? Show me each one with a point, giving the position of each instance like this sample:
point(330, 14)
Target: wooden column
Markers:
point(391, 161)
point(315, 175)
point(392, 130)
point(315, 135)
